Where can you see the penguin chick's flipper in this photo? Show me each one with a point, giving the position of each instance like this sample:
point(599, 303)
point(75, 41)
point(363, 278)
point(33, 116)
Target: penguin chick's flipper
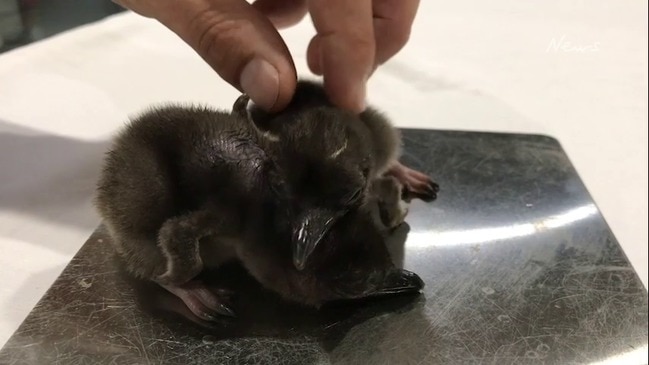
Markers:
point(179, 240)
point(415, 184)
point(387, 194)
point(385, 139)
point(386, 142)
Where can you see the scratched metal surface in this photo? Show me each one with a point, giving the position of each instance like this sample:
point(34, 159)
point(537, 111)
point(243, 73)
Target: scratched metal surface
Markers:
point(520, 268)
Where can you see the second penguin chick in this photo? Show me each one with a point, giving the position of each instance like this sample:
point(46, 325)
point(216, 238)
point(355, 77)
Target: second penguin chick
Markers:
point(332, 154)
point(379, 134)
point(353, 261)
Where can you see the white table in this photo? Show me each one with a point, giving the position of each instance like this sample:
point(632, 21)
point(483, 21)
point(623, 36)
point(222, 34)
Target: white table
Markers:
point(500, 66)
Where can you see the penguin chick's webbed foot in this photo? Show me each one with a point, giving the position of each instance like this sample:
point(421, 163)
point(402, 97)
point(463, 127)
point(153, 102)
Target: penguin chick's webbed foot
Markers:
point(205, 303)
point(415, 184)
point(178, 240)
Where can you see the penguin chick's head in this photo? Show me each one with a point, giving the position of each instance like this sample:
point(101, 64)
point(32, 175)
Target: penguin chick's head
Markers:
point(325, 164)
point(353, 262)
point(321, 162)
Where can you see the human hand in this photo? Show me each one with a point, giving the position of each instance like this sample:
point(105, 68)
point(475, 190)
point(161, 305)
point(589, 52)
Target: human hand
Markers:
point(241, 43)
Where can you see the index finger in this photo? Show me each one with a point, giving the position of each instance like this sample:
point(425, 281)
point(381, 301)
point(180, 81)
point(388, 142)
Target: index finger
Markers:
point(345, 48)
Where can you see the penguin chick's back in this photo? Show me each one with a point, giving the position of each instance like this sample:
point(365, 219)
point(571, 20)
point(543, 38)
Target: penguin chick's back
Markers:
point(169, 159)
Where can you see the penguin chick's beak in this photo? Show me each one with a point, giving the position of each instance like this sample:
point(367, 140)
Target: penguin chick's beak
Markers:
point(312, 226)
point(399, 282)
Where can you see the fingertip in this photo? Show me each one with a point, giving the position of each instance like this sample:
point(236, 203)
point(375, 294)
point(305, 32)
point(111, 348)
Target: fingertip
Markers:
point(314, 55)
point(348, 96)
point(240, 44)
point(346, 69)
point(268, 86)
point(284, 13)
point(260, 81)
point(286, 90)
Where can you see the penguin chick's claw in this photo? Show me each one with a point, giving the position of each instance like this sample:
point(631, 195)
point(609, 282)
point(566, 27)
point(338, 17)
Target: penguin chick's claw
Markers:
point(415, 184)
point(240, 106)
point(206, 304)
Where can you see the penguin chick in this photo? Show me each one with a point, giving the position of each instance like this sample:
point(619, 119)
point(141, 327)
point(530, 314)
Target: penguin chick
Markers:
point(381, 137)
point(176, 177)
point(331, 156)
point(181, 187)
point(353, 261)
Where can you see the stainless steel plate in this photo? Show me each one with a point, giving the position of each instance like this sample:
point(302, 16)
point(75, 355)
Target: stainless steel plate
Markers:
point(519, 265)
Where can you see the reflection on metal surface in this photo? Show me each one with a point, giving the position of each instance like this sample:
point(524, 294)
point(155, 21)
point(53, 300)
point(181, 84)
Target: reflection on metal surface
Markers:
point(571, 216)
point(471, 236)
point(552, 285)
point(494, 234)
point(634, 356)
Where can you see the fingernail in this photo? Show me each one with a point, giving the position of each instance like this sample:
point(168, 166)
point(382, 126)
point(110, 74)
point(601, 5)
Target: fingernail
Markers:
point(260, 80)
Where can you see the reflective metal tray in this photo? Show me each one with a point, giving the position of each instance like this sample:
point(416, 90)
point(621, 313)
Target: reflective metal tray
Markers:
point(519, 265)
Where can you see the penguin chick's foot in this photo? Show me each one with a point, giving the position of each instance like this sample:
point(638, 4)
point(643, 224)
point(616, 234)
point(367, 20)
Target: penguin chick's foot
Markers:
point(415, 184)
point(207, 304)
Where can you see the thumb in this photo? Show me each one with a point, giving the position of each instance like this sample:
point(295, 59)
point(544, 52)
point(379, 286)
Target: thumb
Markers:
point(238, 42)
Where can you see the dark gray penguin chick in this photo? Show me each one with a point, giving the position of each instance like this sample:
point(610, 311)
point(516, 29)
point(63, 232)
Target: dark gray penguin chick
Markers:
point(352, 262)
point(332, 154)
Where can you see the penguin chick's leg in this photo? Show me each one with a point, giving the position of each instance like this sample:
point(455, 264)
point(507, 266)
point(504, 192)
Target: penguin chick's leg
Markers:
point(415, 184)
point(179, 241)
point(392, 209)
